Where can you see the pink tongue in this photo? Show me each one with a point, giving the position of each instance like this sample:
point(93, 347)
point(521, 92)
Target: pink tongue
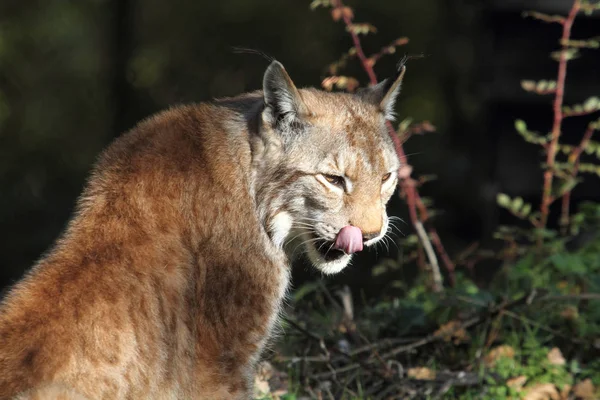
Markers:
point(349, 239)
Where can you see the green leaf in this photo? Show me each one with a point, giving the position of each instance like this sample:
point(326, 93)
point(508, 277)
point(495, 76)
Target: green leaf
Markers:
point(566, 186)
point(520, 126)
point(404, 125)
point(592, 43)
point(591, 104)
point(503, 200)
point(569, 54)
point(529, 136)
point(544, 17)
point(540, 87)
point(361, 29)
point(568, 263)
point(319, 3)
point(516, 205)
point(590, 168)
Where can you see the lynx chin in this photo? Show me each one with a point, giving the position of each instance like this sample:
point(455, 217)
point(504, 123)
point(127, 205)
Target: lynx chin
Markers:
point(169, 278)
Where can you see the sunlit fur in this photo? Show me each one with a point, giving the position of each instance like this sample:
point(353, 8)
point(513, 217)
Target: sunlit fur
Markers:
point(344, 136)
point(170, 276)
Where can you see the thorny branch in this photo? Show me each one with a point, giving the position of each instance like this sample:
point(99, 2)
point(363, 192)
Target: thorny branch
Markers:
point(408, 185)
point(551, 150)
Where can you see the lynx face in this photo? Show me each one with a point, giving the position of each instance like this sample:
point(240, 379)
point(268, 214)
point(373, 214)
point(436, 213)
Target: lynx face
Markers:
point(340, 167)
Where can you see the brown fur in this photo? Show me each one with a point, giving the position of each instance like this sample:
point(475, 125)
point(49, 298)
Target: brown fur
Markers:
point(167, 282)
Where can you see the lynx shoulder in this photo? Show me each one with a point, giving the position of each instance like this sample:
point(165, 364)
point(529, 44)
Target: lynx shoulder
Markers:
point(169, 278)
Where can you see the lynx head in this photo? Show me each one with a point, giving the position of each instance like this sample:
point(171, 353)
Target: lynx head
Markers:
point(331, 167)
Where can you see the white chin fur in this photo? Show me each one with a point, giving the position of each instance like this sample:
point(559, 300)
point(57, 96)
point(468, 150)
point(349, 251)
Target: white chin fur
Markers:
point(280, 227)
point(326, 267)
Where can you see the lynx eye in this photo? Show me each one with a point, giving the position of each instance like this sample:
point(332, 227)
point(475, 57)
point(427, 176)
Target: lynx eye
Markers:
point(386, 177)
point(336, 180)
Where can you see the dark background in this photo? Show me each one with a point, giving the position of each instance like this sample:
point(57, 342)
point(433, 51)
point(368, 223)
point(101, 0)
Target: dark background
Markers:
point(74, 74)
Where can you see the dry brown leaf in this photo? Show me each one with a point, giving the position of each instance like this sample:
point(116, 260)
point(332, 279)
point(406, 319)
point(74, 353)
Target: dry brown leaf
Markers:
point(564, 393)
point(405, 171)
point(341, 82)
point(421, 373)
point(336, 14)
point(454, 331)
point(401, 41)
point(542, 391)
point(339, 12)
point(502, 351)
point(585, 390)
point(555, 357)
point(517, 383)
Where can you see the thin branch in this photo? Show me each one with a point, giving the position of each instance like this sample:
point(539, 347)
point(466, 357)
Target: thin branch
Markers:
point(381, 344)
point(357, 45)
point(389, 49)
point(572, 113)
point(559, 19)
point(558, 117)
point(575, 158)
point(435, 238)
point(433, 262)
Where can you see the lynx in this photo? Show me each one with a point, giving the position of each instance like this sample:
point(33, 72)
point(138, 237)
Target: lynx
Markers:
point(169, 278)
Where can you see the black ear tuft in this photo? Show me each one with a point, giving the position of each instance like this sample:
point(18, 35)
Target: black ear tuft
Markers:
point(246, 50)
point(282, 99)
point(384, 94)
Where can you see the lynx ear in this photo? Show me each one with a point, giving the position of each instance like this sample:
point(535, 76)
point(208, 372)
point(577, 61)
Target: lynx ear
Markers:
point(282, 100)
point(384, 94)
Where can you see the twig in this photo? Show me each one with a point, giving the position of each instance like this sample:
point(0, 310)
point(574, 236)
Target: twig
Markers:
point(359, 51)
point(436, 239)
point(341, 370)
point(435, 268)
point(558, 117)
point(575, 158)
point(437, 242)
point(545, 17)
point(389, 49)
point(381, 343)
point(572, 113)
point(296, 359)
